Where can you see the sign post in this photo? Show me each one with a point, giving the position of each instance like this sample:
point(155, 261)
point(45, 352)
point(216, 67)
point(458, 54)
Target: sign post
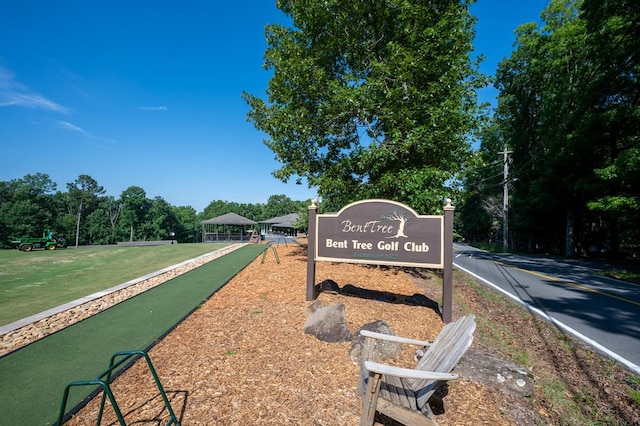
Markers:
point(311, 251)
point(447, 271)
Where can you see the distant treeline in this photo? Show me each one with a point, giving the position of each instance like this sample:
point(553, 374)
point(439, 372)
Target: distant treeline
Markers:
point(84, 215)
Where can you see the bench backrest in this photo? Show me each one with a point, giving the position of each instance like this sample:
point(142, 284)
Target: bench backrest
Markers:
point(444, 353)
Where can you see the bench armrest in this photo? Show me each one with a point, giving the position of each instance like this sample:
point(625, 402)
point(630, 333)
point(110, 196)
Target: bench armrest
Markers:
point(390, 338)
point(408, 373)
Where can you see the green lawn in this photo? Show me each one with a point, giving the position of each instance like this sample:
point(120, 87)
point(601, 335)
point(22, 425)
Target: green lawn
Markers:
point(32, 379)
point(39, 280)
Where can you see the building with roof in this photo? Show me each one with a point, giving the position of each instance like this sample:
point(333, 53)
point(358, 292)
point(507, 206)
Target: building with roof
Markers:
point(227, 227)
point(281, 225)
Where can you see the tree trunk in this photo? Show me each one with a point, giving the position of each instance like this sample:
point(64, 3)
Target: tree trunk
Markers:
point(78, 224)
point(614, 237)
point(570, 231)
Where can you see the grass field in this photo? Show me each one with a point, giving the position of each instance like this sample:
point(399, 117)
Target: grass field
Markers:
point(39, 280)
point(32, 379)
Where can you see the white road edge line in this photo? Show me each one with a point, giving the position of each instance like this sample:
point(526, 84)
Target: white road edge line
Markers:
point(633, 367)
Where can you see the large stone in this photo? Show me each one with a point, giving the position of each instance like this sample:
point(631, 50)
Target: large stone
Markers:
point(328, 324)
point(382, 350)
point(317, 304)
point(500, 374)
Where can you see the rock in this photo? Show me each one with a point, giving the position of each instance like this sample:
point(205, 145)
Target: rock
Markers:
point(488, 370)
point(317, 304)
point(328, 324)
point(382, 350)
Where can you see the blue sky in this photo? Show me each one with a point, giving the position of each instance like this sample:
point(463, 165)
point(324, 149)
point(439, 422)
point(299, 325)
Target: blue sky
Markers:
point(148, 93)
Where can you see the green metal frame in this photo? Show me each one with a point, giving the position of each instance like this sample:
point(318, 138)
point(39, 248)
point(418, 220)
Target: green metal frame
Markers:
point(275, 253)
point(103, 381)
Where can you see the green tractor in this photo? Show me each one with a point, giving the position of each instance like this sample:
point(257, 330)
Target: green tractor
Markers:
point(47, 242)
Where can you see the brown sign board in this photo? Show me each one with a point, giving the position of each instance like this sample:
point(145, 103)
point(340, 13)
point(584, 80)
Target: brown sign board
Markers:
point(380, 232)
point(383, 232)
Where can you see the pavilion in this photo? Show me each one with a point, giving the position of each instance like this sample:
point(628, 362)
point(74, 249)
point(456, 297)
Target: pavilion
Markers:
point(228, 227)
point(280, 225)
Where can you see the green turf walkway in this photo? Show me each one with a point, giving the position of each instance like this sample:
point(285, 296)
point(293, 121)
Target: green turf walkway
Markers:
point(33, 378)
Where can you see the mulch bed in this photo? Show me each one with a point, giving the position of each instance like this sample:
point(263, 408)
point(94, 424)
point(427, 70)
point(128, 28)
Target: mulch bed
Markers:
point(242, 358)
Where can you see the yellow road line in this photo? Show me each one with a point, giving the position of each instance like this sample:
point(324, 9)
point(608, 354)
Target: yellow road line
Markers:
point(581, 287)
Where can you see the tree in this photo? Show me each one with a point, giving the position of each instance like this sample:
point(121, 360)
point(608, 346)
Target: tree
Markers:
point(216, 208)
point(114, 209)
point(611, 118)
point(135, 213)
point(371, 99)
point(539, 113)
point(568, 108)
point(28, 206)
point(188, 226)
point(98, 227)
point(163, 220)
point(303, 218)
point(279, 205)
point(83, 195)
point(479, 210)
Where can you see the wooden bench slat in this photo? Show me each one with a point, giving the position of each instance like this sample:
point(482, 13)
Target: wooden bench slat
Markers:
point(409, 390)
point(393, 338)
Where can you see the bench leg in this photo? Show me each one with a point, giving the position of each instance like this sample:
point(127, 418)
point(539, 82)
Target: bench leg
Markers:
point(370, 399)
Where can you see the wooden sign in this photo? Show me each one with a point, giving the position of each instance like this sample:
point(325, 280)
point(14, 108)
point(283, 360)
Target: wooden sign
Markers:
point(383, 232)
point(380, 232)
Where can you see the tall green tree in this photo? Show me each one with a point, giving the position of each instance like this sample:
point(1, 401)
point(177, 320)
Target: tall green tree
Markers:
point(611, 118)
point(479, 212)
point(98, 226)
point(371, 98)
point(83, 198)
point(568, 109)
point(135, 214)
point(188, 229)
point(279, 205)
point(541, 91)
point(163, 221)
point(113, 208)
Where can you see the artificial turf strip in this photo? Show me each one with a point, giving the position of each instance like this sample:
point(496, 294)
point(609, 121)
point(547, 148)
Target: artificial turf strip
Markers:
point(32, 379)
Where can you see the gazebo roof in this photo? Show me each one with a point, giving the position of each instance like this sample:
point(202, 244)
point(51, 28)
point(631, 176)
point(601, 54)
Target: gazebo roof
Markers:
point(285, 221)
point(229, 219)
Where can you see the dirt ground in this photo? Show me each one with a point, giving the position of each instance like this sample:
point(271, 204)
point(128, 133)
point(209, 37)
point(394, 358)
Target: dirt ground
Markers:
point(242, 358)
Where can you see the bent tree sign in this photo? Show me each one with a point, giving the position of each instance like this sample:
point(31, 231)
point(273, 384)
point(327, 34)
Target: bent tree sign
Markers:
point(381, 232)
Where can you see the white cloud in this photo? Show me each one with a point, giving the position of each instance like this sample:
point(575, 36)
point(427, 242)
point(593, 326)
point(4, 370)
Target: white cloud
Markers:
point(14, 93)
point(152, 108)
point(73, 127)
point(89, 137)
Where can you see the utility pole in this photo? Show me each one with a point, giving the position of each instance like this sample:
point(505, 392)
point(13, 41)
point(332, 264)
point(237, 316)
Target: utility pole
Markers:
point(505, 202)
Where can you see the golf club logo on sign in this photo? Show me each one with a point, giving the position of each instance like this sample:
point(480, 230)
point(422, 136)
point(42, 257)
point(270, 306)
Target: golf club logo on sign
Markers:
point(380, 232)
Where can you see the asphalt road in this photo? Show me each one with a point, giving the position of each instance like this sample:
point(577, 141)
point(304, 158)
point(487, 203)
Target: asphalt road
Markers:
point(603, 312)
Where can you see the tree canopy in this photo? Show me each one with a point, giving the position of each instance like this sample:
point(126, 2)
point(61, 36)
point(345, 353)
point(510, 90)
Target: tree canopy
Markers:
point(568, 105)
point(371, 99)
point(31, 205)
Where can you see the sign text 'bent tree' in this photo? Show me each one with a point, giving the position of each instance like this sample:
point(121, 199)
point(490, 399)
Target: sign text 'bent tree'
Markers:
point(380, 232)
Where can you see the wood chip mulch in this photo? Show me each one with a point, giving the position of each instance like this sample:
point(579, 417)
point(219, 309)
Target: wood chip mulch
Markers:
point(242, 358)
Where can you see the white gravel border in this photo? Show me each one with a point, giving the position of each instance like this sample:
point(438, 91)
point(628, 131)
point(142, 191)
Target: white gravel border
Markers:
point(144, 283)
